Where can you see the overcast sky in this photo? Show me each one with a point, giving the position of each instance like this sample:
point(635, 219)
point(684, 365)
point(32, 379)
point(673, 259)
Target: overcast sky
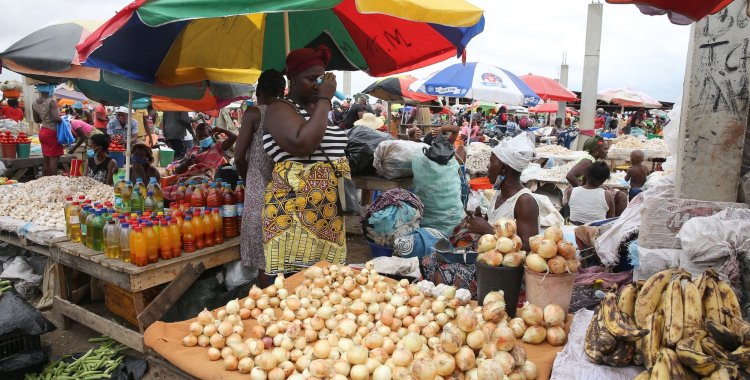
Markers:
point(523, 36)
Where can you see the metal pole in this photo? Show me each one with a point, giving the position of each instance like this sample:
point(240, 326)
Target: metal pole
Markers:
point(128, 138)
point(286, 33)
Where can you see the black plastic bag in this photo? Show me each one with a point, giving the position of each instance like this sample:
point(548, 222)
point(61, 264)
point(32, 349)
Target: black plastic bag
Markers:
point(440, 151)
point(361, 146)
point(30, 361)
point(131, 368)
point(20, 317)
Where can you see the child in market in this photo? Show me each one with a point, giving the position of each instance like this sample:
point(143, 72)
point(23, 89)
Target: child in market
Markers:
point(637, 173)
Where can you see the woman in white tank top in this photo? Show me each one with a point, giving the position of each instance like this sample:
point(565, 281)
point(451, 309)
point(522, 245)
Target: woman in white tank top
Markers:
point(590, 202)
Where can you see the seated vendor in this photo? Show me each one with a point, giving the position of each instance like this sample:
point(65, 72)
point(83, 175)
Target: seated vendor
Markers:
point(100, 166)
point(141, 163)
point(597, 149)
point(591, 202)
point(204, 159)
point(513, 200)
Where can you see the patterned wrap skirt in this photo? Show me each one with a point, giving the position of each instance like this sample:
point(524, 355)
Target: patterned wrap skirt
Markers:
point(302, 220)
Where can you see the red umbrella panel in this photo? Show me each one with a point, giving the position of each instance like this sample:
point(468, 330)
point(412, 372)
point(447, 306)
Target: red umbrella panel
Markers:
point(680, 12)
point(551, 107)
point(548, 89)
point(396, 89)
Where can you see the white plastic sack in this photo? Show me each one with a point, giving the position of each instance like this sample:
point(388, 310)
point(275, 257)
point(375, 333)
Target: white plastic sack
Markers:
point(710, 240)
point(656, 260)
point(533, 171)
point(398, 266)
point(548, 214)
point(572, 362)
point(237, 274)
point(393, 158)
point(608, 243)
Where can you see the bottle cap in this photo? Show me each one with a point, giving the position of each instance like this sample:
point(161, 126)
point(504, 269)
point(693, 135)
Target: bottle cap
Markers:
point(75, 203)
point(139, 180)
point(150, 193)
point(163, 222)
point(188, 218)
point(149, 224)
point(121, 177)
point(124, 225)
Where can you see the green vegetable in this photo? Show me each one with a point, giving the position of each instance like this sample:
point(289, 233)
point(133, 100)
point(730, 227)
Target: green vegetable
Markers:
point(96, 363)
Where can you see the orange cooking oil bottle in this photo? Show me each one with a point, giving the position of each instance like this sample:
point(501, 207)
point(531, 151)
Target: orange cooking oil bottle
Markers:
point(165, 243)
point(188, 235)
point(174, 236)
point(198, 199)
point(138, 250)
point(200, 243)
point(152, 243)
point(218, 230)
point(208, 228)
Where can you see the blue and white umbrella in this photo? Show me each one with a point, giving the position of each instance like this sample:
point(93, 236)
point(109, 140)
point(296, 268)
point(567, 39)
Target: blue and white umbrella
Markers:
point(478, 81)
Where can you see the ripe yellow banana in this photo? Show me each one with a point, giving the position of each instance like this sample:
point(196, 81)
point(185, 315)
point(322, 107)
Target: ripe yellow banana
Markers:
point(720, 374)
point(661, 370)
point(710, 347)
point(711, 301)
point(616, 324)
point(729, 300)
point(652, 341)
point(676, 369)
point(741, 356)
point(626, 300)
point(673, 313)
point(690, 354)
point(723, 335)
point(650, 295)
point(739, 326)
point(692, 309)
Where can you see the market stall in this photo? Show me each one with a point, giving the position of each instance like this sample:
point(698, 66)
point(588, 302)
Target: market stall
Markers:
point(17, 168)
point(654, 150)
point(168, 340)
point(535, 176)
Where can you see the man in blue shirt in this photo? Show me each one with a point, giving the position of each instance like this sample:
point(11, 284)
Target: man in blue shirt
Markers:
point(116, 125)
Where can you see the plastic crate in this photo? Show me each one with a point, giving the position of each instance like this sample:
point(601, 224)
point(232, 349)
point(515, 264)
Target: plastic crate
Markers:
point(15, 343)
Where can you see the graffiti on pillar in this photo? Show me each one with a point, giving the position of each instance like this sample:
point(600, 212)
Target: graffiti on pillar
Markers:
point(721, 78)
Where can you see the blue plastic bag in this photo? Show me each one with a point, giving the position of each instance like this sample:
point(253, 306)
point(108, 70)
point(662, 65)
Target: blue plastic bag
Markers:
point(439, 188)
point(64, 135)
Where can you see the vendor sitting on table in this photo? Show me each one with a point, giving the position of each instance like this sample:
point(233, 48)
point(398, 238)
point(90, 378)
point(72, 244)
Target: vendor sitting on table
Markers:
point(512, 200)
point(597, 149)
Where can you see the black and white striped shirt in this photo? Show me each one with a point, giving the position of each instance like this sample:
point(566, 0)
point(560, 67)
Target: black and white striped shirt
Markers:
point(334, 142)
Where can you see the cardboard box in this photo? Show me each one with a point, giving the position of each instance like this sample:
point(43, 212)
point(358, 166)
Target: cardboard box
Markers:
point(662, 219)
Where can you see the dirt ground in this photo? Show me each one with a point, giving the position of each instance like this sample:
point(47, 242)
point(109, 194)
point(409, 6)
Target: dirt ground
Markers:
point(75, 339)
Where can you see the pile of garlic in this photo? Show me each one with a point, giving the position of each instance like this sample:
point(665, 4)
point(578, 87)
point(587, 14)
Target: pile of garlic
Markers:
point(42, 201)
point(554, 150)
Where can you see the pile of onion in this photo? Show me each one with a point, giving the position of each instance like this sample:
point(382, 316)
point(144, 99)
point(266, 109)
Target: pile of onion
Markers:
point(536, 325)
point(502, 248)
point(550, 253)
point(343, 324)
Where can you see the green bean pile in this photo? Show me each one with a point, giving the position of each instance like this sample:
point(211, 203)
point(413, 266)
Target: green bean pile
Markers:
point(95, 364)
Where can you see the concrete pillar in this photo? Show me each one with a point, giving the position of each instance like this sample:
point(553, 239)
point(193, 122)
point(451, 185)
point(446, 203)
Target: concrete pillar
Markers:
point(590, 83)
point(715, 106)
point(564, 68)
point(348, 83)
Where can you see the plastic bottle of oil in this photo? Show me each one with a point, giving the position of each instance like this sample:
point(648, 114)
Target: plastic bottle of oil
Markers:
point(119, 187)
point(218, 226)
point(75, 222)
point(83, 216)
point(239, 196)
point(174, 236)
point(97, 229)
point(229, 213)
point(155, 189)
point(165, 243)
point(188, 235)
point(200, 243)
point(152, 243)
point(125, 242)
point(138, 250)
point(112, 240)
point(90, 228)
point(208, 228)
point(68, 205)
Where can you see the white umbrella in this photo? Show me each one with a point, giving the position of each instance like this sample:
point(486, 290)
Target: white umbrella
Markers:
point(628, 97)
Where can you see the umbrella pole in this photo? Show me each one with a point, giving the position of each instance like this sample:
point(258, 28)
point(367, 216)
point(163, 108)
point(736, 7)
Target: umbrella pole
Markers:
point(286, 33)
point(127, 145)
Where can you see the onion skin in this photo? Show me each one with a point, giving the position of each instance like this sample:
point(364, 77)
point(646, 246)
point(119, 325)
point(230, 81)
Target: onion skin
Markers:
point(554, 315)
point(536, 263)
point(534, 334)
point(557, 265)
point(566, 249)
point(556, 336)
point(547, 249)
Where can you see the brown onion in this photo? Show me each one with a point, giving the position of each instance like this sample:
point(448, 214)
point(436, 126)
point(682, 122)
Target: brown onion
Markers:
point(557, 265)
point(547, 249)
point(465, 358)
point(424, 369)
point(534, 334)
point(556, 336)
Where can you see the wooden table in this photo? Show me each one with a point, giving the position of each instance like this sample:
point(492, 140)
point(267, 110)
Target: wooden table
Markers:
point(137, 281)
point(18, 167)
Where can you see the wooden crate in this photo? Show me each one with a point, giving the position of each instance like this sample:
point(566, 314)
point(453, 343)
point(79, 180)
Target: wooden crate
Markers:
point(124, 303)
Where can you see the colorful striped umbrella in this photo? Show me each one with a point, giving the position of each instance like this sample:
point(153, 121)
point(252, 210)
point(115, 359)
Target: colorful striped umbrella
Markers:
point(680, 12)
point(183, 41)
point(478, 81)
point(396, 89)
point(548, 89)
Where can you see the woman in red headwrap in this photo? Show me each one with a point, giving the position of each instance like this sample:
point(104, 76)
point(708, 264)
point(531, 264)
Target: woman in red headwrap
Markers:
point(302, 218)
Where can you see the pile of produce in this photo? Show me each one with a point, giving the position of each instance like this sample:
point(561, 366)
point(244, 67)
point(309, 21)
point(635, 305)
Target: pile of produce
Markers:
point(5, 285)
point(535, 325)
point(478, 157)
point(677, 327)
point(551, 253)
point(7, 181)
point(8, 138)
point(341, 324)
point(558, 173)
point(42, 201)
point(503, 247)
point(629, 142)
point(554, 150)
point(96, 363)
point(117, 145)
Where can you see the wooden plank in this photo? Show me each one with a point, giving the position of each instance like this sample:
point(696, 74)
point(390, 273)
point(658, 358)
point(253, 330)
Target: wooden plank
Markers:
point(156, 309)
point(95, 322)
point(188, 257)
point(60, 290)
point(159, 368)
point(164, 274)
point(91, 268)
point(14, 240)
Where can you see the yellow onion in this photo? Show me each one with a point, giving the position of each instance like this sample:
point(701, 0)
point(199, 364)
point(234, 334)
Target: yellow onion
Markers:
point(557, 265)
point(424, 369)
point(529, 370)
point(230, 363)
point(554, 315)
point(504, 227)
point(357, 355)
point(536, 263)
point(553, 233)
point(445, 363)
point(534, 334)
point(486, 243)
point(214, 353)
point(555, 336)
point(531, 314)
point(402, 357)
point(566, 249)
point(518, 326)
point(359, 372)
point(572, 265)
point(190, 340)
point(519, 243)
point(513, 259)
point(465, 358)
point(475, 339)
point(547, 249)
point(245, 365)
point(413, 342)
point(495, 296)
point(492, 258)
point(467, 320)
point(534, 242)
point(450, 340)
point(494, 312)
point(505, 245)
point(319, 368)
point(383, 372)
point(205, 317)
point(503, 337)
point(505, 360)
point(489, 370)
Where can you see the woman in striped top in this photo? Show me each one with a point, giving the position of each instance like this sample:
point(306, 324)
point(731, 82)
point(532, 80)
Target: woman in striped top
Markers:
point(302, 218)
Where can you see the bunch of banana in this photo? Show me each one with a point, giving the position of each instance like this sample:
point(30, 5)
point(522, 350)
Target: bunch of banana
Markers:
point(715, 295)
point(612, 335)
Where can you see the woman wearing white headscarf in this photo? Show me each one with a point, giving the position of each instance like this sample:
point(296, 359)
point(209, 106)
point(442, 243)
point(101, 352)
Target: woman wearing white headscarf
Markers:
point(512, 200)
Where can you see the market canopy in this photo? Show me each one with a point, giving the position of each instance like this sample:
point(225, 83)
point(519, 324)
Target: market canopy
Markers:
point(629, 97)
point(552, 107)
point(548, 89)
point(478, 81)
point(234, 41)
point(681, 12)
point(396, 89)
